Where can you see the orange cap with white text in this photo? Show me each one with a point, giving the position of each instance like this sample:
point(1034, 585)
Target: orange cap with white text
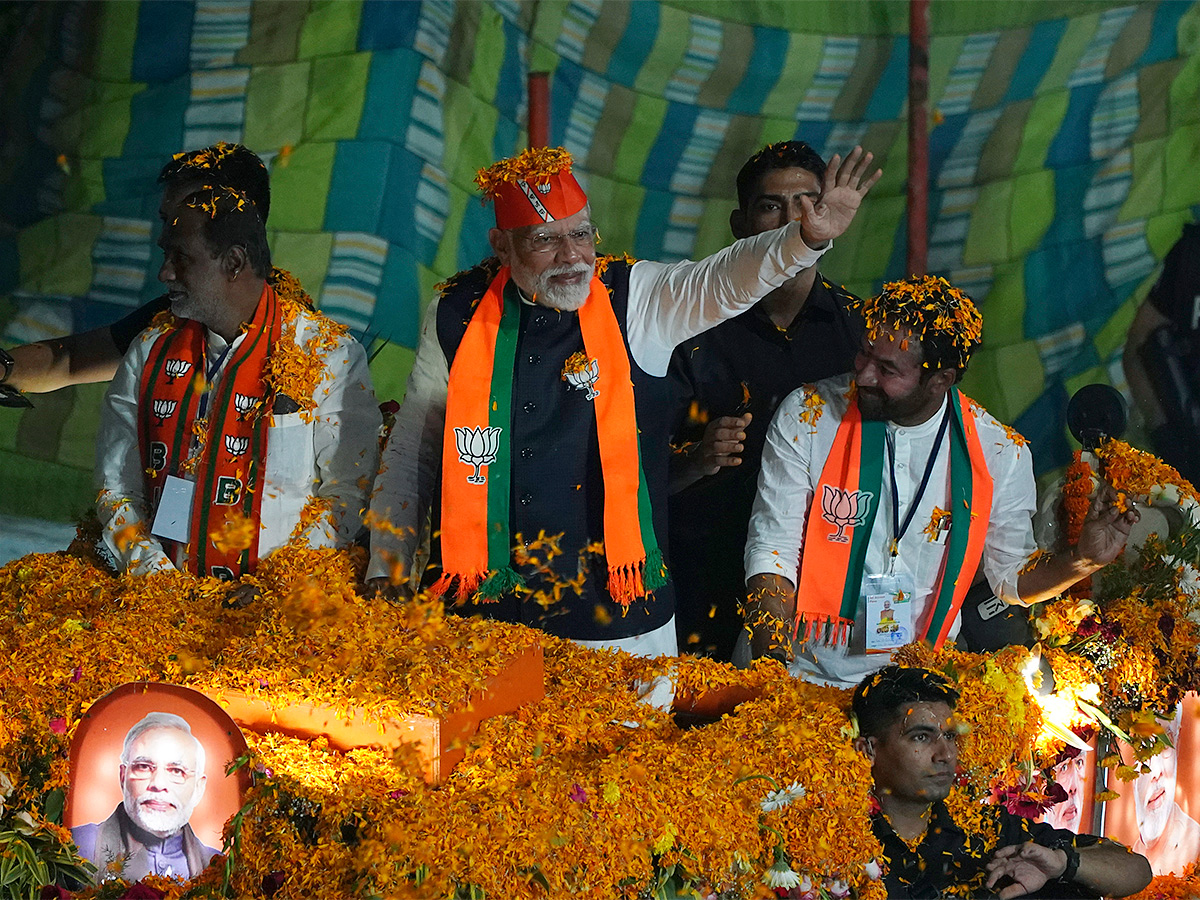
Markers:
point(532, 188)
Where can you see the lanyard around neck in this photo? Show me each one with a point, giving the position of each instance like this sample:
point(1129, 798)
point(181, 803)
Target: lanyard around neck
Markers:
point(899, 529)
point(209, 376)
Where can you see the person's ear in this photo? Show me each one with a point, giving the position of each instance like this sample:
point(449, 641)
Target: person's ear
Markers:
point(234, 261)
point(943, 379)
point(201, 785)
point(737, 223)
point(865, 746)
point(501, 242)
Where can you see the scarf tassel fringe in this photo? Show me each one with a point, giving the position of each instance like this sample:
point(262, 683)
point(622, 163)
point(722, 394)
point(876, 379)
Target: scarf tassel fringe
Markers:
point(830, 631)
point(633, 580)
point(482, 587)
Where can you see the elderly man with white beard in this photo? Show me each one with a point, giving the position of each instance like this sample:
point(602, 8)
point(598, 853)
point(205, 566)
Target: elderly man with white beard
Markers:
point(538, 399)
point(162, 781)
point(1167, 835)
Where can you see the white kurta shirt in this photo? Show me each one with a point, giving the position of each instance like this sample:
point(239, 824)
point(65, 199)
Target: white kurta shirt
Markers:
point(668, 303)
point(794, 456)
point(333, 455)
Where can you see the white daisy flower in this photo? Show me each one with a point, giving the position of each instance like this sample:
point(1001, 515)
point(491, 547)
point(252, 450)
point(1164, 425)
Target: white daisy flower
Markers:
point(779, 799)
point(781, 875)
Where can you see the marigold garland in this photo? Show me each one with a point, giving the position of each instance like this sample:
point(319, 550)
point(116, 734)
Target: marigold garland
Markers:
point(613, 794)
point(927, 306)
point(531, 164)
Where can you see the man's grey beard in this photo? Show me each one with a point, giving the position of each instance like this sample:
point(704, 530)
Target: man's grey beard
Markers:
point(568, 297)
point(163, 822)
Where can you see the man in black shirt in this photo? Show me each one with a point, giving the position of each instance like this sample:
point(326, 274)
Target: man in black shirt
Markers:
point(92, 356)
point(1162, 357)
point(908, 730)
point(729, 380)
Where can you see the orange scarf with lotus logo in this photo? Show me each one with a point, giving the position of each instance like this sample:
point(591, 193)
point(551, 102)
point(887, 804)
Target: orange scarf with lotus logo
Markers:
point(476, 452)
point(227, 468)
point(842, 514)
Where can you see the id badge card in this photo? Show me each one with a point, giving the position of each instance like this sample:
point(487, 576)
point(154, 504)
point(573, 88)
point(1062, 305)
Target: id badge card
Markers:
point(889, 612)
point(173, 520)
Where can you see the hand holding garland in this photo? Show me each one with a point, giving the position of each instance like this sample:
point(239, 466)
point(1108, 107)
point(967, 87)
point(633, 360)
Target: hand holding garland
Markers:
point(1103, 537)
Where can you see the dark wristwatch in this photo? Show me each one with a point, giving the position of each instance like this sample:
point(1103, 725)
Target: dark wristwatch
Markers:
point(9, 395)
point(1067, 846)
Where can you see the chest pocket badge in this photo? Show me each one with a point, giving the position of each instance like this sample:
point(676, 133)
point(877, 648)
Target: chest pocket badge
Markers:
point(582, 374)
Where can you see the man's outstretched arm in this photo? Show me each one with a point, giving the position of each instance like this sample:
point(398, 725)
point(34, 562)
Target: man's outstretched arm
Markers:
point(1107, 868)
point(83, 358)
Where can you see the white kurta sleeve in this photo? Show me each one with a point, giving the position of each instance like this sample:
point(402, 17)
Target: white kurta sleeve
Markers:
point(122, 507)
point(346, 426)
point(785, 487)
point(1009, 542)
point(671, 302)
point(412, 458)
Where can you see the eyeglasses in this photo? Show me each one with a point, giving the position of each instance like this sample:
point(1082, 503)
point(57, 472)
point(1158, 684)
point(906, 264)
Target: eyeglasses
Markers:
point(144, 771)
point(548, 242)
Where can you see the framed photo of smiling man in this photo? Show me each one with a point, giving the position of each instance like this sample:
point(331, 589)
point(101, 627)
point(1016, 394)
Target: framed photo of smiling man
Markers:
point(148, 792)
point(1156, 814)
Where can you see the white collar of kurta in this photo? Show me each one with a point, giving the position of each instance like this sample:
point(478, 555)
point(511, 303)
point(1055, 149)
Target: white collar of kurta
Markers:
point(928, 428)
point(215, 345)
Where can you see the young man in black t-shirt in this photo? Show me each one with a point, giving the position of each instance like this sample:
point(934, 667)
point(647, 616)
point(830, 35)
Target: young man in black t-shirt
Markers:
point(908, 730)
point(729, 381)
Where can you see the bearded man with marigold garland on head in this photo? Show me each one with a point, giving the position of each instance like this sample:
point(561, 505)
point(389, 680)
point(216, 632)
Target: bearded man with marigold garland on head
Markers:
point(94, 355)
point(539, 401)
point(886, 493)
point(908, 730)
point(240, 421)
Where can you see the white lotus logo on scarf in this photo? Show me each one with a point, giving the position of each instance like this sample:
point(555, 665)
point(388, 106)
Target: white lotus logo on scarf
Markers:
point(477, 447)
point(236, 445)
point(244, 405)
point(844, 509)
point(176, 368)
point(164, 409)
point(584, 379)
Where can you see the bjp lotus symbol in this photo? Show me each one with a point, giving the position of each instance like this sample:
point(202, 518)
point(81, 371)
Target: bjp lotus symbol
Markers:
point(477, 447)
point(844, 509)
point(175, 368)
point(164, 409)
point(585, 378)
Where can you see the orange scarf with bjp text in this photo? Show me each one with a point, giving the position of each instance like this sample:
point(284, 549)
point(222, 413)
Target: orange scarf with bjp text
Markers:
point(224, 452)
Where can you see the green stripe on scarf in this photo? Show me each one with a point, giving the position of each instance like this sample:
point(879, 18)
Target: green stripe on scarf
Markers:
point(502, 576)
point(961, 487)
point(870, 479)
point(655, 574)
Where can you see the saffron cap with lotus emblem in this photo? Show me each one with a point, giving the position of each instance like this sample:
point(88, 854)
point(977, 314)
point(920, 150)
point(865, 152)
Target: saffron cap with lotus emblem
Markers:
point(532, 188)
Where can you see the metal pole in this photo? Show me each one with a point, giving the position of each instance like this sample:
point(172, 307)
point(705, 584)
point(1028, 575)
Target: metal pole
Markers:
point(539, 109)
point(918, 136)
